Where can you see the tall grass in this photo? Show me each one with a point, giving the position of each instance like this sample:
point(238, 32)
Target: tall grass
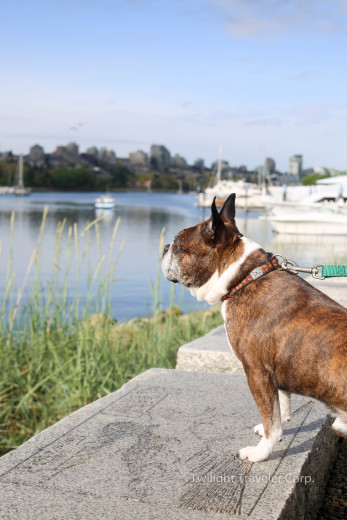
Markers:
point(59, 352)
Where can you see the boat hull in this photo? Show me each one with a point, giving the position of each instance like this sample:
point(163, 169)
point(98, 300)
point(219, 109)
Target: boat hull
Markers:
point(300, 227)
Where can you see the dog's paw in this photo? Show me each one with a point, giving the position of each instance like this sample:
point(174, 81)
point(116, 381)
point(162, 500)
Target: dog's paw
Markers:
point(259, 429)
point(285, 419)
point(253, 454)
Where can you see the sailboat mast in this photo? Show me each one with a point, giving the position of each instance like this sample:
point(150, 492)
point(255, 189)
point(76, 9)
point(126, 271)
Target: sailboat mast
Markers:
point(20, 174)
point(219, 165)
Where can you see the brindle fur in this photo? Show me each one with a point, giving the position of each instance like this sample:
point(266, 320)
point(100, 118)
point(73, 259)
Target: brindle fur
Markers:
point(288, 335)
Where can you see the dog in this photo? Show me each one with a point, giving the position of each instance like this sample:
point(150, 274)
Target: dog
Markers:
point(289, 336)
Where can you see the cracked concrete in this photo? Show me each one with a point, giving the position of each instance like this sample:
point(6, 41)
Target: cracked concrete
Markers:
point(165, 446)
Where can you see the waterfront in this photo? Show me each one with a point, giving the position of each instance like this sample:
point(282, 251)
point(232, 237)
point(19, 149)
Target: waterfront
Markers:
point(142, 218)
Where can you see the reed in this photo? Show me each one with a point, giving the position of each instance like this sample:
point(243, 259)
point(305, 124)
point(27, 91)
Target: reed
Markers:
point(58, 351)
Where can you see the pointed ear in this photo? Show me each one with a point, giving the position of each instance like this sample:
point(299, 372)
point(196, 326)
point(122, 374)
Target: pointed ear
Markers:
point(216, 225)
point(228, 209)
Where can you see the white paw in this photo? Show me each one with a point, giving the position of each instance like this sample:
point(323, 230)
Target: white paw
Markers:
point(259, 429)
point(253, 454)
point(285, 419)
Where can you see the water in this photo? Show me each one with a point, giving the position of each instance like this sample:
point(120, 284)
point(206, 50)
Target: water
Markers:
point(142, 218)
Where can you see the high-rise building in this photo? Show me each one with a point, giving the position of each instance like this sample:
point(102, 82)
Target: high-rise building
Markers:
point(36, 155)
point(72, 150)
point(270, 164)
point(92, 150)
point(178, 161)
point(295, 165)
point(160, 155)
point(102, 153)
point(138, 158)
point(110, 156)
point(200, 164)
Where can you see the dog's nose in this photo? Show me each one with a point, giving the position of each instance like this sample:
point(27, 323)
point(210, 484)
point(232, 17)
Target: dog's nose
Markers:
point(166, 248)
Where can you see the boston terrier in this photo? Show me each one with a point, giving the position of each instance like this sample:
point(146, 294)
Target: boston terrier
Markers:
point(289, 336)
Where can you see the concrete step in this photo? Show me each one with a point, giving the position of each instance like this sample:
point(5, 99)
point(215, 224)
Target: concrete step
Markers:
point(212, 353)
point(165, 446)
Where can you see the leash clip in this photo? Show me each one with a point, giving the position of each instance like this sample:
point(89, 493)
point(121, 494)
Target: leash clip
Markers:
point(291, 266)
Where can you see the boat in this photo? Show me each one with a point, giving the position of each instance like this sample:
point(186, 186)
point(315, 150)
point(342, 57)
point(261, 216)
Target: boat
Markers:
point(324, 220)
point(105, 202)
point(248, 194)
point(20, 189)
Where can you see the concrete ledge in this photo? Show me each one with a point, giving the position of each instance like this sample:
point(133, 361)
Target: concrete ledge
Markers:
point(164, 447)
point(212, 353)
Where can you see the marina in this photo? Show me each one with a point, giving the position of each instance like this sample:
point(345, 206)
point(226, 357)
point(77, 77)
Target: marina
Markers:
point(142, 218)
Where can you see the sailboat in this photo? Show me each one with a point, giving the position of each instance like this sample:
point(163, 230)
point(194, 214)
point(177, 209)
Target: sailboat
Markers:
point(248, 195)
point(20, 189)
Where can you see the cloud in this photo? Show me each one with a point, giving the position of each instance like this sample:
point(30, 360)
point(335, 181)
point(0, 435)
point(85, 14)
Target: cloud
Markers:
point(263, 121)
point(302, 75)
point(252, 18)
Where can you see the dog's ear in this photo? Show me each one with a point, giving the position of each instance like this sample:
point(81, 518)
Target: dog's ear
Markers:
point(216, 226)
point(228, 209)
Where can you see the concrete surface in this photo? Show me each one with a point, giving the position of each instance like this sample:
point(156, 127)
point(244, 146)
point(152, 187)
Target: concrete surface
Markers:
point(212, 353)
point(165, 446)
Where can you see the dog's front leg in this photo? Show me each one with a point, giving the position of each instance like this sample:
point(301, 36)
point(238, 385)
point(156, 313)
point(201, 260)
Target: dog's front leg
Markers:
point(264, 390)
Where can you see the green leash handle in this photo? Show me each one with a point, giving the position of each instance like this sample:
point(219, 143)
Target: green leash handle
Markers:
point(329, 271)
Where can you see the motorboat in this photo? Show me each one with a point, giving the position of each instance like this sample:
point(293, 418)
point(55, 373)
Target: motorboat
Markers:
point(324, 220)
point(105, 202)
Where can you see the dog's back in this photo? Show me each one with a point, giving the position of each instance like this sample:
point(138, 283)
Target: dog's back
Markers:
point(297, 331)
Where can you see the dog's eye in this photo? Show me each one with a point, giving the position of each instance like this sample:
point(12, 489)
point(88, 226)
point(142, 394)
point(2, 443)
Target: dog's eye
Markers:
point(177, 249)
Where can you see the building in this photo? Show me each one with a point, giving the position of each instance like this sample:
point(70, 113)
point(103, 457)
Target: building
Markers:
point(138, 158)
point(60, 151)
point(270, 164)
point(199, 164)
point(72, 151)
point(92, 150)
point(110, 156)
point(178, 161)
point(36, 155)
point(160, 156)
point(295, 166)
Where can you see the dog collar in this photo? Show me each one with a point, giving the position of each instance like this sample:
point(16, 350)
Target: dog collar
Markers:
point(258, 272)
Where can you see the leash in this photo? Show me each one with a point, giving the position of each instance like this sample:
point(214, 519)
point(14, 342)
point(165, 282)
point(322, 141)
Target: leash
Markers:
point(319, 271)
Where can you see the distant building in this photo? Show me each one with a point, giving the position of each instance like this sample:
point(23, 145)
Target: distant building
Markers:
point(295, 166)
point(178, 161)
point(92, 150)
point(36, 156)
point(270, 165)
point(60, 151)
point(199, 164)
point(321, 170)
point(72, 151)
point(102, 153)
point(160, 156)
point(138, 158)
point(110, 156)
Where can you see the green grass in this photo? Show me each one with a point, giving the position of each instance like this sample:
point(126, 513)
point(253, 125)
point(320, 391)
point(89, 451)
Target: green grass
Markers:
point(57, 355)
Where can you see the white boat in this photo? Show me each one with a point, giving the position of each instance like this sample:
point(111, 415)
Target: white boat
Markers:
point(105, 202)
point(248, 195)
point(324, 220)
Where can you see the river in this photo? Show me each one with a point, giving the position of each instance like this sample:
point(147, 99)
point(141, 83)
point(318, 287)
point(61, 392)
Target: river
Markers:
point(142, 217)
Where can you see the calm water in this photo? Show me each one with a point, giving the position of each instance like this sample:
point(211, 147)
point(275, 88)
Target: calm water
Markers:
point(142, 218)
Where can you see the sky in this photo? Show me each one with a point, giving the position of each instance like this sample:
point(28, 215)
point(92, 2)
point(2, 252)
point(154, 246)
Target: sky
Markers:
point(263, 78)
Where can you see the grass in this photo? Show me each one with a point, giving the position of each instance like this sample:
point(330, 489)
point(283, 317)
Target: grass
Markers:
point(59, 353)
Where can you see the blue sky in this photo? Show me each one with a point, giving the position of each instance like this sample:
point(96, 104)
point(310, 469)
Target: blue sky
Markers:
point(262, 77)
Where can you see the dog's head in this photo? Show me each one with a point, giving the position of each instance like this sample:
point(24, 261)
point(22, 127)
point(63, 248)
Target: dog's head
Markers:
point(198, 256)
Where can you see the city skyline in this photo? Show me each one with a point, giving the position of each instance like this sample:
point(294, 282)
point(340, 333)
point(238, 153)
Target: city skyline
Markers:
point(262, 78)
point(38, 156)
